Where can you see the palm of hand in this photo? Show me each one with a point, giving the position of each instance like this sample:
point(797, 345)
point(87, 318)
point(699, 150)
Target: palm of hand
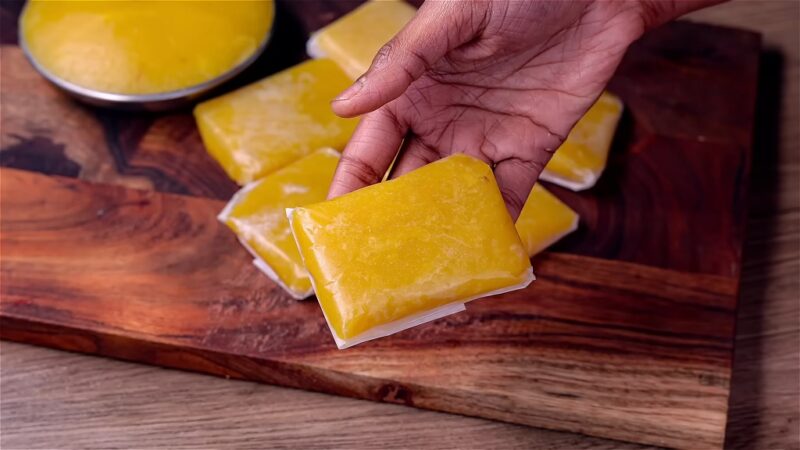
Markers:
point(508, 93)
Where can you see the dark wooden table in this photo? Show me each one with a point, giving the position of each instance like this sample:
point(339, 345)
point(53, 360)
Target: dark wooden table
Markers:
point(118, 404)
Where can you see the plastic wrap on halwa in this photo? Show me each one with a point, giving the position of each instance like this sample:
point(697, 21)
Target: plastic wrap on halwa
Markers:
point(269, 124)
point(581, 159)
point(354, 39)
point(544, 220)
point(257, 214)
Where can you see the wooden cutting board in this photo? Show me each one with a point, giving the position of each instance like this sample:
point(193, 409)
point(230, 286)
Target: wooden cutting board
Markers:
point(626, 334)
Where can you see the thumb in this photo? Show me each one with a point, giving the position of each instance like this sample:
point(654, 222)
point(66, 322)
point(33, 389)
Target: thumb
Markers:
point(437, 28)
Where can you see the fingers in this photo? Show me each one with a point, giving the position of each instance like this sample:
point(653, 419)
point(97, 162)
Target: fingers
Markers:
point(437, 28)
point(515, 178)
point(369, 153)
point(413, 155)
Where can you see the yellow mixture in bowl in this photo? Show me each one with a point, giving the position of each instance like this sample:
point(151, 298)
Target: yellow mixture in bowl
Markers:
point(143, 47)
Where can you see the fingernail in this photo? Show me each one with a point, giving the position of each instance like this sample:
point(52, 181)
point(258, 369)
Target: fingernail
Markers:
point(353, 90)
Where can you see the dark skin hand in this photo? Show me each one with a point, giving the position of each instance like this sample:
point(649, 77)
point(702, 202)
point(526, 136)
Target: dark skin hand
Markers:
point(503, 81)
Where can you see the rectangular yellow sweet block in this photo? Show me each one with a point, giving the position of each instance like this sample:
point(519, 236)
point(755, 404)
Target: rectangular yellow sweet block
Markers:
point(269, 124)
point(544, 220)
point(580, 160)
point(410, 250)
point(354, 39)
point(257, 214)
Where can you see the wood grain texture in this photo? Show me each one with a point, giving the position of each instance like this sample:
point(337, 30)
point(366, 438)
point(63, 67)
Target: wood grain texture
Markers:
point(60, 400)
point(602, 347)
point(83, 403)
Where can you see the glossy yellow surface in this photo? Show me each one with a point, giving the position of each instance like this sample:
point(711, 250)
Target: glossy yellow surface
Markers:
point(354, 39)
point(580, 160)
point(262, 127)
point(544, 220)
point(143, 47)
point(257, 214)
point(438, 235)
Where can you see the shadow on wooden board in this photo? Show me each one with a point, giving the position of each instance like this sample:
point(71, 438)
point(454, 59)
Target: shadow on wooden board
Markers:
point(746, 382)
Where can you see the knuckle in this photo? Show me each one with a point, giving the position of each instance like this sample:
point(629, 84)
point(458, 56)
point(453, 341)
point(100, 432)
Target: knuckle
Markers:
point(423, 152)
point(410, 60)
point(359, 170)
point(513, 199)
point(536, 166)
point(383, 56)
point(532, 165)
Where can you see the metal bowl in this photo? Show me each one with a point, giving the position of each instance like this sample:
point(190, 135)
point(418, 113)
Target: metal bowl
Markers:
point(146, 102)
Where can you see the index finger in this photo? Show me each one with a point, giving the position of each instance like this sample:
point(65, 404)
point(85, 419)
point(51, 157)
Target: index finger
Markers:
point(368, 155)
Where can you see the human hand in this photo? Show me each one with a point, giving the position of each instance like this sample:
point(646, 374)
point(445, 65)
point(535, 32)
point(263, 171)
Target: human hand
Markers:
point(503, 81)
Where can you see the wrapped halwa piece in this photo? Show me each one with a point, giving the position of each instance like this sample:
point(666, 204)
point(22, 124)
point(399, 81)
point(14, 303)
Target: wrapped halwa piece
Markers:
point(257, 214)
point(580, 160)
point(544, 220)
point(354, 39)
point(407, 251)
point(271, 123)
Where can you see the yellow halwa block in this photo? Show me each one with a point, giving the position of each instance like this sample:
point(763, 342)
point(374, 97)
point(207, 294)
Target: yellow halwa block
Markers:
point(544, 220)
point(407, 251)
point(135, 47)
point(354, 39)
point(269, 124)
point(257, 214)
point(580, 160)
